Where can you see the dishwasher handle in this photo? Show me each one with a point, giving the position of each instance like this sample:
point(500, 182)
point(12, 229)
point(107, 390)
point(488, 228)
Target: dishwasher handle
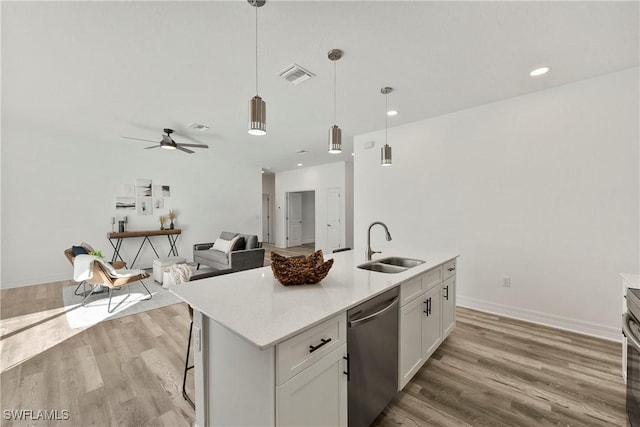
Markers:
point(628, 332)
point(354, 323)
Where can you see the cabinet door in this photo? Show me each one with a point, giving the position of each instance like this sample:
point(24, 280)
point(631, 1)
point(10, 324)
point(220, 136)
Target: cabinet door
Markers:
point(316, 396)
point(410, 337)
point(431, 321)
point(448, 306)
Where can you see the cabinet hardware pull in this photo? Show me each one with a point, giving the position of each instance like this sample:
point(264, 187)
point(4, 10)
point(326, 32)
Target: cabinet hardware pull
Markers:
point(348, 367)
point(429, 306)
point(426, 309)
point(451, 268)
point(446, 288)
point(322, 342)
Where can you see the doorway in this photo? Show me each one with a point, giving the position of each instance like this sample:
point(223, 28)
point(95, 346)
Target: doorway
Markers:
point(300, 218)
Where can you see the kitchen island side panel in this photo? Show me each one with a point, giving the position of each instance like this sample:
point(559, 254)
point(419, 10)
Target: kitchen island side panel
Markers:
point(241, 380)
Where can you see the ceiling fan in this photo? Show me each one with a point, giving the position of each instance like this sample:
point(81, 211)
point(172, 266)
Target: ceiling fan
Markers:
point(169, 144)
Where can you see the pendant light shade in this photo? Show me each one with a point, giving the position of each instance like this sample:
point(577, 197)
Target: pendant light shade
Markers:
point(257, 106)
point(335, 133)
point(385, 155)
point(335, 140)
point(385, 151)
point(257, 116)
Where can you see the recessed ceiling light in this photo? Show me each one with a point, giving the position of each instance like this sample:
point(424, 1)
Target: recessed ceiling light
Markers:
point(539, 71)
point(299, 164)
point(353, 154)
point(262, 171)
point(392, 113)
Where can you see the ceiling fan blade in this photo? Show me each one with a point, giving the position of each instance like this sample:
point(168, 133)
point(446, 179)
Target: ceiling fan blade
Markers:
point(184, 149)
point(153, 146)
point(194, 145)
point(138, 139)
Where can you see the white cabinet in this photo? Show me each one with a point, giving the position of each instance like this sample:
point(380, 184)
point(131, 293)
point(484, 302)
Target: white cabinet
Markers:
point(431, 337)
point(448, 306)
point(311, 379)
point(420, 324)
point(411, 356)
point(317, 396)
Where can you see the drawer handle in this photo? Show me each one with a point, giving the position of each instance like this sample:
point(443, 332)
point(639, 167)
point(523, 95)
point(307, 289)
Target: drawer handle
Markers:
point(348, 368)
point(322, 342)
point(446, 288)
point(451, 268)
point(428, 310)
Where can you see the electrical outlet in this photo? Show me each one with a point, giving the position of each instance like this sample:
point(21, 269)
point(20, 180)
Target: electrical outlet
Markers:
point(506, 281)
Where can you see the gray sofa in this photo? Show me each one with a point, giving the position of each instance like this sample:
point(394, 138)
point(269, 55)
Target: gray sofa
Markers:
point(246, 253)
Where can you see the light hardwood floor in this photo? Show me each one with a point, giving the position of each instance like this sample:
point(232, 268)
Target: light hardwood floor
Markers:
point(491, 371)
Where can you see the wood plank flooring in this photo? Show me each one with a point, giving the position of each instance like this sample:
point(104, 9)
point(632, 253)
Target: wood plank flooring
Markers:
point(491, 371)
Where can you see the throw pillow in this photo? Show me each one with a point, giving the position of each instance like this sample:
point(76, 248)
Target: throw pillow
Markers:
point(221, 245)
point(239, 244)
point(78, 250)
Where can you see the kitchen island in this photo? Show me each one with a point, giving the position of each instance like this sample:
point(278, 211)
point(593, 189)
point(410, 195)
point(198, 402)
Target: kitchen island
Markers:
point(252, 338)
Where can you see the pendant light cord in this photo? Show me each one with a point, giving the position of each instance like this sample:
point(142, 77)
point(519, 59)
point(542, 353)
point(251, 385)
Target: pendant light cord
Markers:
point(256, 6)
point(334, 92)
point(386, 119)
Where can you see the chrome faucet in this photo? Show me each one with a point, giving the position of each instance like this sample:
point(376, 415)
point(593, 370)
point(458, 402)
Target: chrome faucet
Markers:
point(369, 251)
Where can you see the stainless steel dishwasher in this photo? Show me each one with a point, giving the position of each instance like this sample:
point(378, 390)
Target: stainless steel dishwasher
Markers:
point(372, 345)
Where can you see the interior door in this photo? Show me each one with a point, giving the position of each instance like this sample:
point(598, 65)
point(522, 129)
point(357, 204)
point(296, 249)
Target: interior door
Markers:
point(334, 197)
point(266, 219)
point(294, 219)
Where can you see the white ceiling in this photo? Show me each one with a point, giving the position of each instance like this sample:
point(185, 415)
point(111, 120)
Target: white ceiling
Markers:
point(92, 72)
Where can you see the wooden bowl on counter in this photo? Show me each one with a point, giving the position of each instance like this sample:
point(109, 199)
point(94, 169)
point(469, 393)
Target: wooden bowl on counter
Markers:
point(300, 270)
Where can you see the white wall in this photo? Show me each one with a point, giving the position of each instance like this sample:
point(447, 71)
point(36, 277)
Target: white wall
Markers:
point(56, 193)
point(543, 188)
point(318, 179)
point(348, 224)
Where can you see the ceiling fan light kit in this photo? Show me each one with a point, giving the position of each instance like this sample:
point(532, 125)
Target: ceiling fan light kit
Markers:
point(335, 133)
point(257, 106)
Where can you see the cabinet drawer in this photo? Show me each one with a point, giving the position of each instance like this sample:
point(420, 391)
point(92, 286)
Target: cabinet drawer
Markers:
point(411, 289)
point(432, 277)
point(449, 268)
point(303, 350)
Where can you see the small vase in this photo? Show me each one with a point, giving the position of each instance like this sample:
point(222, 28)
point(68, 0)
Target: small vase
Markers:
point(161, 227)
point(171, 225)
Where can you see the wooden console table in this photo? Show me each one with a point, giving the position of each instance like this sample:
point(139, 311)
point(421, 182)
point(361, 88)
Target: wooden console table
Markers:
point(172, 235)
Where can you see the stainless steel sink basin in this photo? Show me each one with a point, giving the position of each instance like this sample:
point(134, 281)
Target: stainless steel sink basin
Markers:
point(401, 262)
point(382, 268)
point(391, 264)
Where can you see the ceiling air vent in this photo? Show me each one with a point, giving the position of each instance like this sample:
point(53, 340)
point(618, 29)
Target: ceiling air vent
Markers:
point(295, 74)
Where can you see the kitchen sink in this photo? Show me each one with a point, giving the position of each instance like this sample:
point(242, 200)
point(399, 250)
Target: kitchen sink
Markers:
point(401, 262)
point(391, 264)
point(382, 268)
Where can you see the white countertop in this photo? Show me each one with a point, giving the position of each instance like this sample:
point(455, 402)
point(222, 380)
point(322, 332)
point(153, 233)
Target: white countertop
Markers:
point(631, 280)
point(255, 306)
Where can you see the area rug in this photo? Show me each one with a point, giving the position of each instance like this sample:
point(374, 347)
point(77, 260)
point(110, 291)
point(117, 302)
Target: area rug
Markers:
point(95, 310)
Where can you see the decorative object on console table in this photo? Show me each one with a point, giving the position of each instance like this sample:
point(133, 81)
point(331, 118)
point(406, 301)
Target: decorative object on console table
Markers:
point(300, 270)
point(172, 216)
point(162, 220)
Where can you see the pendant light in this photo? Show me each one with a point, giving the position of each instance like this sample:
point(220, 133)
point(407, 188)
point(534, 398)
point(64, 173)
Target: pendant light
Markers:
point(257, 106)
point(335, 133)
point(385, 152)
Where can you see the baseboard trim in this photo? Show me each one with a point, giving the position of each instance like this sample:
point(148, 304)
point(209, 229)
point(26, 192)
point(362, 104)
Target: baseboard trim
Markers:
point(36, 281)
point(586, 328)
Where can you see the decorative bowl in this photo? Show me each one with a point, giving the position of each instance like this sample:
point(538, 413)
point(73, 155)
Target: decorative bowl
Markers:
point(300, 270)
